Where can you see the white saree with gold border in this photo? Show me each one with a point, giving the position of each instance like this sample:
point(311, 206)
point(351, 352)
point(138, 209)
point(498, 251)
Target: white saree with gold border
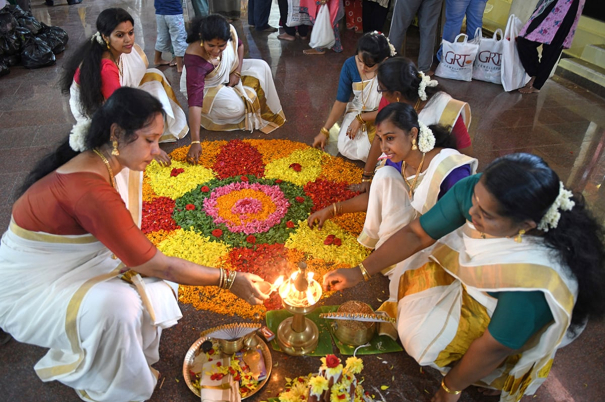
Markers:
point(444, 110)
point(63, 293)
point(366, 98)
point(252, 104)
point(389, 204)
point(443, 304)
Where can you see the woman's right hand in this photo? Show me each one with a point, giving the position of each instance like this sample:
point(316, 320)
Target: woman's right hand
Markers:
point(360, 187)
point(320, 141)
point(319, 217)
point(248, 287)
point(342, 278)
point(194, 153)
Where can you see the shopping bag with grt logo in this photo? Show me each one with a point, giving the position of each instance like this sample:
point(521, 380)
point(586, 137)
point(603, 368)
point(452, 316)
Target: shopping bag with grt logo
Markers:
point(457, 60)
point(488, 63)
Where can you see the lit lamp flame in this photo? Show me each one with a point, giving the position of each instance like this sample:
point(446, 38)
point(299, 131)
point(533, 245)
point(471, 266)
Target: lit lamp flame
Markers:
point(277, 284)
point(292, 296)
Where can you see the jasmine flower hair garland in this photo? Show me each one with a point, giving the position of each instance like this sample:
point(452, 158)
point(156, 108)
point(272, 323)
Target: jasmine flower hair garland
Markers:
point(391, 47)
point(426, 138)
point(425, 81)
point(97, 37)
point(77, 136)
point(563, 202)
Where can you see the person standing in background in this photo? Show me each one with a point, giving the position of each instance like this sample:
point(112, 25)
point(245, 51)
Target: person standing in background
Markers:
point(200, 8)
point(455, 10)
point(290, 32)
point(428, 16)
point(258, 15)
point(552, 25)
point(171, 33)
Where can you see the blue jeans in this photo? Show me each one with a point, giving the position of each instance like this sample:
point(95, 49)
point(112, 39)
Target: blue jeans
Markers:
point(455, 10)
point(258, 13)
point(171, 35)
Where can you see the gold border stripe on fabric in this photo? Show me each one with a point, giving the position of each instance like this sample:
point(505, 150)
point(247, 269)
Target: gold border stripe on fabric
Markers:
point(266, 113)
point(427, 276)
point(50, 238)
point(71, 326)
point(445, 167)
point(142, 54)
point(450, 113)
point(502, 276)
point(365, 240)
point(148, 77)
point(209, 97)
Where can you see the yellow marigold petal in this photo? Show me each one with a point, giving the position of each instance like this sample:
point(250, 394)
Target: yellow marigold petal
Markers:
point(174, 187)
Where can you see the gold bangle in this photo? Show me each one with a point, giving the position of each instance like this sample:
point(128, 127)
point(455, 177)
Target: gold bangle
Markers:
point(368, 173)
point(366, 180)
point(364, 272)
point(221, 277)
point(238, 74)
point(325, 131)
point(361, 120)
point(231, 279)
point(194, 142)
point(335, 210)
point(446, 389)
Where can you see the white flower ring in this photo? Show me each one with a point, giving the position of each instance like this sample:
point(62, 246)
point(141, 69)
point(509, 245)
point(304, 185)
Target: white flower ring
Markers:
point(426, 138)
point(550, 220)
point(393, 52)
point(98, 37)
point(425, 81)
point(77, 136)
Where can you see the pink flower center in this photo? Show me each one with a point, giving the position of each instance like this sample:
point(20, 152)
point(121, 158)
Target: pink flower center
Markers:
point(247, 206)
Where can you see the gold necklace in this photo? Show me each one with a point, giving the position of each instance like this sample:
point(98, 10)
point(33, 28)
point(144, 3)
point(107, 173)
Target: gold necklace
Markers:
point(118, 63)
point(106, 162)
point(209, 59)
point(412, 185)
point(363, 102)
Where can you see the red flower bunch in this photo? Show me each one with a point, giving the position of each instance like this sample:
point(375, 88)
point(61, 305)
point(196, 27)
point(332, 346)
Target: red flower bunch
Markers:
point(324, 193)
point(205, 189)
point(176, 171)
point(332, 240)
point(157, 215)
point(251, 239)
point(190, 207)
point(278, 181)
point(217, 233)
point(296, 167)
point(332, 361)
point(290, 224)
point(238, 158)
point(244, 178)
point(217, 376)
point(300, 199)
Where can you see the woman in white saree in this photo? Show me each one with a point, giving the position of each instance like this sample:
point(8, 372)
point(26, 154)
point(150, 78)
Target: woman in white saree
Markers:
point(357, 79)
point(65, 257)
point(111, 59)
point(420, 165)
point(516, 273)
point(226, 92)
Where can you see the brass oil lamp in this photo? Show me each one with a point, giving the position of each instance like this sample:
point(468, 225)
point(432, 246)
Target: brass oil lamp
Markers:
point(298, 335)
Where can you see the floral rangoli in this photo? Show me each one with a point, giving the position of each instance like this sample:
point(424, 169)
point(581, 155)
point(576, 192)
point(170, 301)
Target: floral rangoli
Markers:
point(245, 207)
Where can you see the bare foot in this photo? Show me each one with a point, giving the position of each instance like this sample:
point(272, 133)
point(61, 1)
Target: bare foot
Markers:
point(304, 37)
point(529, 90)
point(161, 62)
point(313, 51)
point(172, 62)
point(285, 36)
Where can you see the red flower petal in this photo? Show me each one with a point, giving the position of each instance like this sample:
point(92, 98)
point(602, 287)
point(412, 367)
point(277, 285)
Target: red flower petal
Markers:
point(217, 233)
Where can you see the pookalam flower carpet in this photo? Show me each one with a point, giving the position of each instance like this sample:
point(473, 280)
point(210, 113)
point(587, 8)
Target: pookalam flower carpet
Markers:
point(244, 207)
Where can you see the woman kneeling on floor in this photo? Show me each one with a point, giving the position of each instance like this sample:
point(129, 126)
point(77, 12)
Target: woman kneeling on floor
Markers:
point(225, 91)
point(70, 240)
point(420, 165)
point(516, 271)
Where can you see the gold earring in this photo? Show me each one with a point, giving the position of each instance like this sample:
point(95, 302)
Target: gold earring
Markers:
point(518, 238)
point(398, 99)
point(115, 151)
point(202, 43)
point(414, 147)
point(107, 43)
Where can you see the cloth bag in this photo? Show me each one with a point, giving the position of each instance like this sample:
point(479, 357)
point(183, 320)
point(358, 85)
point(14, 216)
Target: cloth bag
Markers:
point(322, 35)
point(513, 74)
point(457, 59)
point(295, 17)
point(488, 63)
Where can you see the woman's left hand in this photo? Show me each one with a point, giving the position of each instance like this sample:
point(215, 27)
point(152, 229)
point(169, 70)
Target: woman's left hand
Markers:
point(163, 159)
point(249, 287)
point(353, 129)
point(233, 79)
point(442, 396)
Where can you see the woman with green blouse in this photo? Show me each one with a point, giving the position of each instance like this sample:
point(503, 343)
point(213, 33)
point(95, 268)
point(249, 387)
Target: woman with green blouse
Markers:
point(515, 273)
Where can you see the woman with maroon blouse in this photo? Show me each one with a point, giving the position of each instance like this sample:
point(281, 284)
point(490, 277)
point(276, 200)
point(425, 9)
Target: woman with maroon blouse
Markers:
point(225, 92)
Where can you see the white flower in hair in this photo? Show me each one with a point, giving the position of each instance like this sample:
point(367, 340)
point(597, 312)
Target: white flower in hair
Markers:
point(77, 136)
point(97, 36)
point(426, 139)
point(393, 52)
point(425, 81)
point(550, 220)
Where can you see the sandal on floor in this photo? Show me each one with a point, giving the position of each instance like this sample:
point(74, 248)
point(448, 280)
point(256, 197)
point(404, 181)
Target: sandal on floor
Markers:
point(313, 51)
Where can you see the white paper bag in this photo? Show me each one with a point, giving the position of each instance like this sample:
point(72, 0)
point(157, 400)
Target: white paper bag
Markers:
point(488, 63)
point(322, 35)
point(295, 17)
point(513, 74)
point(457, 59)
